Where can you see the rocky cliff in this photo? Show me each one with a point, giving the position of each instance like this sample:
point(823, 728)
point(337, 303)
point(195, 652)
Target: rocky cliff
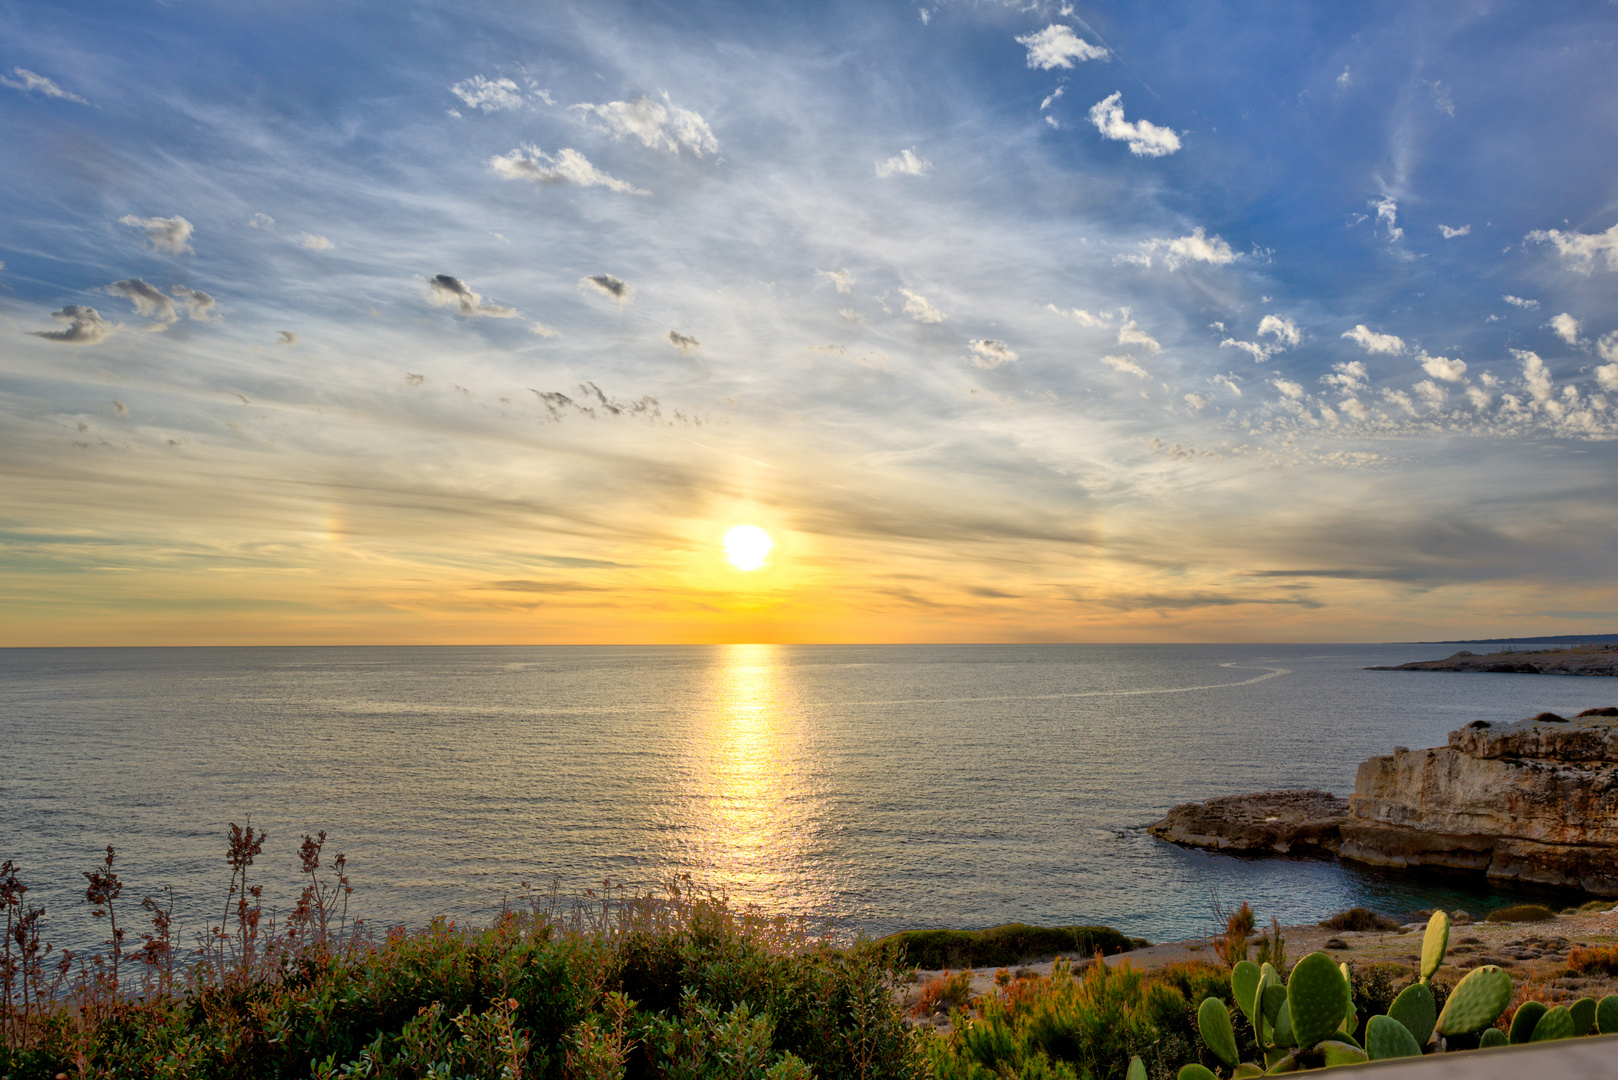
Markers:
point(1535, 801)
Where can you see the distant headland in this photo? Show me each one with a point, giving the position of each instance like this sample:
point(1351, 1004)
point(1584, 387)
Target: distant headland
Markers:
point(1601, 659)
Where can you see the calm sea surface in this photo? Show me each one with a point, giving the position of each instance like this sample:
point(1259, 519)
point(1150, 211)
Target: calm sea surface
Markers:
point(879, 787)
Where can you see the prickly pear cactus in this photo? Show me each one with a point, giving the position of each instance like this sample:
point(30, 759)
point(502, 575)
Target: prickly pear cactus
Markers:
point(1387, 1038)
point(1557, 1023)
point(1213, 1020)
point(1522, 1024)
point(1196, 1072)
point(1584, 1016)
point(1317, 997)
point(1337, 1053)
point(1245, 1071)
point(1607, 1015)
point(1137, 1069)
point(1275, 996)
point(1476, 1002)
point(1283, 1026)
point(1245, 979)
point(1417, 1011)
point(1434, 943)
point(1492, 1037)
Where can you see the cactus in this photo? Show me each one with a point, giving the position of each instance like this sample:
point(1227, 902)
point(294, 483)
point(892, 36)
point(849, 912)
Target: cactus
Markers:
point(1283, 1027)
point(1213, 1020)
point(1557, 1023)
point(1584, 1016)
point(1607, 1015)
point(1336, 1053)
point(1246, 1070)
point(1417, 1011)
point(1434, 943)
point(1317, 998)
point(1387, 1038)
point(1275, 996)
point(1196, 1072)
point(1522, 1025)
point(1492, 1037)
point(1137, 1069)
point(1245, 979)
point(1476, 1002)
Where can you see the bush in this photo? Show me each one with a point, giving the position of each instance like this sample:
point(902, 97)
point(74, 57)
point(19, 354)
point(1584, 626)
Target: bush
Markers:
point(1359, 918)
point(1005, 945)
point(1522, 913)
point(1594, 961)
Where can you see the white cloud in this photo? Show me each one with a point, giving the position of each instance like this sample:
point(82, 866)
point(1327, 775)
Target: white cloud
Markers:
point(446, 291)
point(198, 304)
point(658, 125)
point(1198, 402)
point(1051, 97)
point(1082, 317)
point(1130, 334)
point(1480, 398)
point(30, 83)
point(149, 302)
point(261, 221)
point(1450, 234)
point(1430, 392)
point(1127, 365)
point(1536, 378)
point(686, 344)
point(851, 316)
point(919, 308)
point(1517, 301)
point(1355, 408)
point(1387, 212)
point(1440, 367)
point(1372, 342)
point(1058, 46)
point(1258, 351)
point(544, 331)
point(80, 326)
point(1348, 376)
point(1345, 80)
point(1197, 247)
point(990, 354)
point(1289, 388)
point(1133, 260)
point(1565, 327)
point(609, 286)
point(1402, 400)
point(904, 163)
point(1581, 250)
point(1144, 137)
point(568, 166)
point(314, 243)
point(164, 233)
point(1607, 347)
point(1228, 382)
point(1607, 376)
point(841, 280)
point(1488, 378)
point(1285, 330)
point(490, 95)
point(286, 338)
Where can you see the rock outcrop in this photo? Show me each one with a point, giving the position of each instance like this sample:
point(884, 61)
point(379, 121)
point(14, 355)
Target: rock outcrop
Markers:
point(1579, 660)
point(1535, 801)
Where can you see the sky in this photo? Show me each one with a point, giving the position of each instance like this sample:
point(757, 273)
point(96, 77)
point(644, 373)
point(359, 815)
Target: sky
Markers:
point(431, 323)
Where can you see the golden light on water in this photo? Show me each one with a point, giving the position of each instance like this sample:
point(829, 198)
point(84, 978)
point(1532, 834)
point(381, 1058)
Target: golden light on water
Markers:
point(747, 546)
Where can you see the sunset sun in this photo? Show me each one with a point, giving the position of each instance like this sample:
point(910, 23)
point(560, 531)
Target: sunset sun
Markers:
point(747, 546)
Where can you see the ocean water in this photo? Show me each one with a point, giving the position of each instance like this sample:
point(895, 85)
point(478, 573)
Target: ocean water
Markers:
point(873, 788)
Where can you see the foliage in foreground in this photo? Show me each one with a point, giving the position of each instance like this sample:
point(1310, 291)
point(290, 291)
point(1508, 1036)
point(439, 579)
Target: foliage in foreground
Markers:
point(1003, 945)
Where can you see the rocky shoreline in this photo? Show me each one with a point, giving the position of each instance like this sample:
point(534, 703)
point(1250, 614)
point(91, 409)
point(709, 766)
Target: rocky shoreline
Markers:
point(1534, 802)
point(1579, 660)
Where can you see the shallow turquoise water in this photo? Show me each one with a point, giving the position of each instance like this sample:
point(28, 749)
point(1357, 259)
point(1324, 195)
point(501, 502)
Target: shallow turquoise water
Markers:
point(878, 787)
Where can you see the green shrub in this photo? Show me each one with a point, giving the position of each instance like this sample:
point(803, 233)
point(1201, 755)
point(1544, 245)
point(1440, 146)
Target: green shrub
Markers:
point(1358, 918)
point(1522, 913)
point(1005, 945)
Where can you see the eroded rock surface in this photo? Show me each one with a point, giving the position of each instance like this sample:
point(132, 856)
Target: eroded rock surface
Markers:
point(1535, 801)
point(1580, 660)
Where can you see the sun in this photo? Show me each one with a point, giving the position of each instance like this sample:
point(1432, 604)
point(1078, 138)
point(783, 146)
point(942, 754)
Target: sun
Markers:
point(747, 546)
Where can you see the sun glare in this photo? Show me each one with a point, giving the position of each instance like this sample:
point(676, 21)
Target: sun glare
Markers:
point(747, 546)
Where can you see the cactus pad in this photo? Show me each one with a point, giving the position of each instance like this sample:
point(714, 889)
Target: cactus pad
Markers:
point(1476, 1001)
point(1492, 1037)
point(1196, 1072)
point(1584, 1016)
point(1137, 1069)
point(1607, 1015)
point(1246, 1070)
point(1417, 1011)
point(1387, 1038)
point(1557, 1023)
point(1275, 996)
point(1317, 997)
point(1245, 979)
point(1337, 1053)
point(1434, 943)
point(1522, 1025)
point(1213, 1020)
point(1283, 1027)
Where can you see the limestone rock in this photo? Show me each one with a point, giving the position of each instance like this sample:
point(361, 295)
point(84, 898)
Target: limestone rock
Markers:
point(1270, 821)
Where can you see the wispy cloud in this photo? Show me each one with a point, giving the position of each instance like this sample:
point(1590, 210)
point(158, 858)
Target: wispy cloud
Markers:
point(163, 233)
point(1373, 342)
point(1581, 251)
point(659, 125)
point(490, 95)
point(612, 288)
point(567, 166)
point(1058, 46)
point(988, 353)
point(1145, 138)
point(919, 308)
point(1450, 234)
point(904, 163)
point(30, 83)
point(446, 291)
point(80, 326)
point(685, 343)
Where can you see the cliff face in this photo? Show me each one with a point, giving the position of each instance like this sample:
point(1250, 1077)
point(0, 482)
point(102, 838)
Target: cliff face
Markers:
point(1535, 801)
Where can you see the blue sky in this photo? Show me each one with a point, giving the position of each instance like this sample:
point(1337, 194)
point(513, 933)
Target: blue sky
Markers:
point(420, 322)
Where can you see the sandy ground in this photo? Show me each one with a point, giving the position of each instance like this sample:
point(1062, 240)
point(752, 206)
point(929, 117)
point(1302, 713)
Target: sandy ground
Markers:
point(1534, 953)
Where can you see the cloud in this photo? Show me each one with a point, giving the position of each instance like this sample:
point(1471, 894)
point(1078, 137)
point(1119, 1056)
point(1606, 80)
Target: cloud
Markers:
point(1082, 317)
point(488, 95)
point(544, 331)
point(1517, 301)
point(446, 291)
point(1349, 376)
point(1607, 374)
point(1581, 250)
point(904, 163)
point(1051, 97)
point(30, 83)
point(919, 308)
point(1130, 334)
point(851, 316)
point(1450, 234)
point(1285, 330)
point(609, 286)
point(1479, 397)
point(1440, 367)
point(1372, 342)
point(1259, 352)
point(1058, 46)
point(1345, 80)
point(1607, 347)
point(1355, 408)
point(286, 338)
point(314, 243)
point(164, 233)
point(1198, 402)
point(987, 353)
point(568, 166)
point(1387, 212)
point(1144, 137)
point(1430, 392)
point(658, 125)
point(842, 280)
point(686, 345)
point(80, 326)
point(1290, 389)
point(1127, 365)
point(412, 379)
point(149, 302)
point(261, 221)
point(1197, 247)
point(1536, 378)
point(198, 304)
point(1565, 327)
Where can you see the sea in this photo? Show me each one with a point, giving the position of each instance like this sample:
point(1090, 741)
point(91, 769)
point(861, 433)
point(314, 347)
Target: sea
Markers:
point(866, 789)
